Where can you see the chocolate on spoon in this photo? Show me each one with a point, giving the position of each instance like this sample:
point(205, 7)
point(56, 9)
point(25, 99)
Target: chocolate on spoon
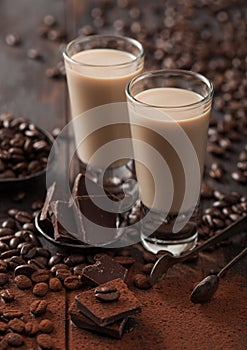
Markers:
point(205, 290)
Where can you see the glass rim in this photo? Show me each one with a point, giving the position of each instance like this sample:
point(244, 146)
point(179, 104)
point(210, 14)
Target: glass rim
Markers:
point(85, 39)
point(174, 72)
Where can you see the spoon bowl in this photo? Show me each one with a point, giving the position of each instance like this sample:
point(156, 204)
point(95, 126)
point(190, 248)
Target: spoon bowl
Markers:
point(205, 290)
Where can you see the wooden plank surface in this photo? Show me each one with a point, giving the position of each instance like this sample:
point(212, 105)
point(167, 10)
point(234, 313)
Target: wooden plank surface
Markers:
point(26, 90)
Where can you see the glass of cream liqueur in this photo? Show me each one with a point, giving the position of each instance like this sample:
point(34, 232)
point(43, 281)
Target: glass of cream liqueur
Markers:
point(98, 68)
point(169, 115)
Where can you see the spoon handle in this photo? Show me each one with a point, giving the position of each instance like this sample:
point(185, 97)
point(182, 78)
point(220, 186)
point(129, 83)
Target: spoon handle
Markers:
point(232, 262)
point(234, 228)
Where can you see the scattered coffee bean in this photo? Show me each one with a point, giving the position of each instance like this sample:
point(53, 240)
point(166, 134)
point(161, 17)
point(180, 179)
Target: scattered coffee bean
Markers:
point(124, 260)
point(72, 282)
point(55, 284)
point(7, 296)
point(147, 268)
point(44, 341)
point(26, 269)
point(11, 314)
point(38, 307)
point(107, 293)
point(23, 282)
point(3, 279)
point(34, 54)
point(46, 326)
point(31, 328)
point(40, 276)
point(17, 325)
point(15, 340)
point(142, 281)
point(12, 39)
point(40, 289)
point(3, 328)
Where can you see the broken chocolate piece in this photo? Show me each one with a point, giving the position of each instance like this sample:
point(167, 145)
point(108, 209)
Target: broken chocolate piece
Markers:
point(104, 314)
point(104, 270)
point(114, 330)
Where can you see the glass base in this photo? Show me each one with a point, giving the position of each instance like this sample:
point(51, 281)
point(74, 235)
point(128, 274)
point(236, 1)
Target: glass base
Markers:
point(177, 247)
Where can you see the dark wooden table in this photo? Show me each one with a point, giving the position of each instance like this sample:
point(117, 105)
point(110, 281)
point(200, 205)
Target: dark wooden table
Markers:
point(25, 90)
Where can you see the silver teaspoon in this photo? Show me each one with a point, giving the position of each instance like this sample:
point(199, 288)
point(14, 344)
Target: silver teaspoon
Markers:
point(167, 260)
point(205, 290)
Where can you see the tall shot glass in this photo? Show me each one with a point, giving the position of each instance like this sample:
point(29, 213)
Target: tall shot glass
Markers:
point(98, 68)
point(169, 115)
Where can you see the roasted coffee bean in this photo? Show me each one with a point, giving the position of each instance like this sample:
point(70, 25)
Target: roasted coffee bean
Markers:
point(23, 282)
point(26, 270)
point(6, 231)
point(74, 259)
point(15, 339)
point(55, 259)
point(34, 54)
point(239, 177)
point(31, 328)
point(62, 274)
point(53, 73)
point(40, 289)
point(20, 195)
point(11, 314)
point(7, 296)
point(149, 257)
point(43, 252)
point(17, 260)
point(39, 261)
point(9, 223)
point(12, 39)
point(55, 284)
point(147, 268)
point(3, 328)
point(17, 325)
point(3, 247)
point(3, 279)
point(23, 216)
point(49, 20)
point(107, 293)
point(142, 281)
point(14, 242)
point(3, 266)
point(72, 282)
point(46, 326)
point(29, 226)
point(38, 307)
point(9, 253)
point(41, 275)
point(206, 191)
point(44, 341)
point(124, 260)
point(60, 266)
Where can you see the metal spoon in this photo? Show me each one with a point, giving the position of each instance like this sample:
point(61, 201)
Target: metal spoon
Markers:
point(168, 260)
point(205, 290)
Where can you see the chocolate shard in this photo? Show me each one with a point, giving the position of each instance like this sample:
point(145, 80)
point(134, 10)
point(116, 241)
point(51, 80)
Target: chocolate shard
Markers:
point(114, 330)
point(104, 270)
point(44, 215)
point(63, 213)
point(104, 314)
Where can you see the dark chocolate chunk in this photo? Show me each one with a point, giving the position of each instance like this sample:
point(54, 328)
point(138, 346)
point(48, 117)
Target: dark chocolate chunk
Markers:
point(102, 313)
point(104, 270)
point(114, 330)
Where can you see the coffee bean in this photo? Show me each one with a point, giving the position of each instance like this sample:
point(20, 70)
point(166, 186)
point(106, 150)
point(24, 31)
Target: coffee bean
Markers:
point(149, 257)
point(3, 266)
point(58, 267)
point(38, 307)
point(23, 216)
point(46, 326)
point(147, 268)
point(6, 231)
point(11, 314)
point(239, 177)
point(53, 73)
point(26, 270)
point(9, 223)
point(3, 279)
point(62, 274)
point(40, 289)
point(7, 296)
point(124, 260)
point(17, 325)
point(41, 275)
point(12, 39)
point(3, 328)
point(49, 20)
point(107, 293)
point(55, 259)
point(34, 54)
point(55, 284)
point(44, 341)
point(15, 340)
point(72, 282)
point(74, 259)
point(142, 282)
point(23, 282)
point(31, 328)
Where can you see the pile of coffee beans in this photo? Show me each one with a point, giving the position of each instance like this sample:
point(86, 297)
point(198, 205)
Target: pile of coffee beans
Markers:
point(24, 148)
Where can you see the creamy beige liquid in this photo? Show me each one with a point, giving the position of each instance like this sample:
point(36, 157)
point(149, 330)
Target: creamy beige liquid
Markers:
point(194, 122)
point(99, 78)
